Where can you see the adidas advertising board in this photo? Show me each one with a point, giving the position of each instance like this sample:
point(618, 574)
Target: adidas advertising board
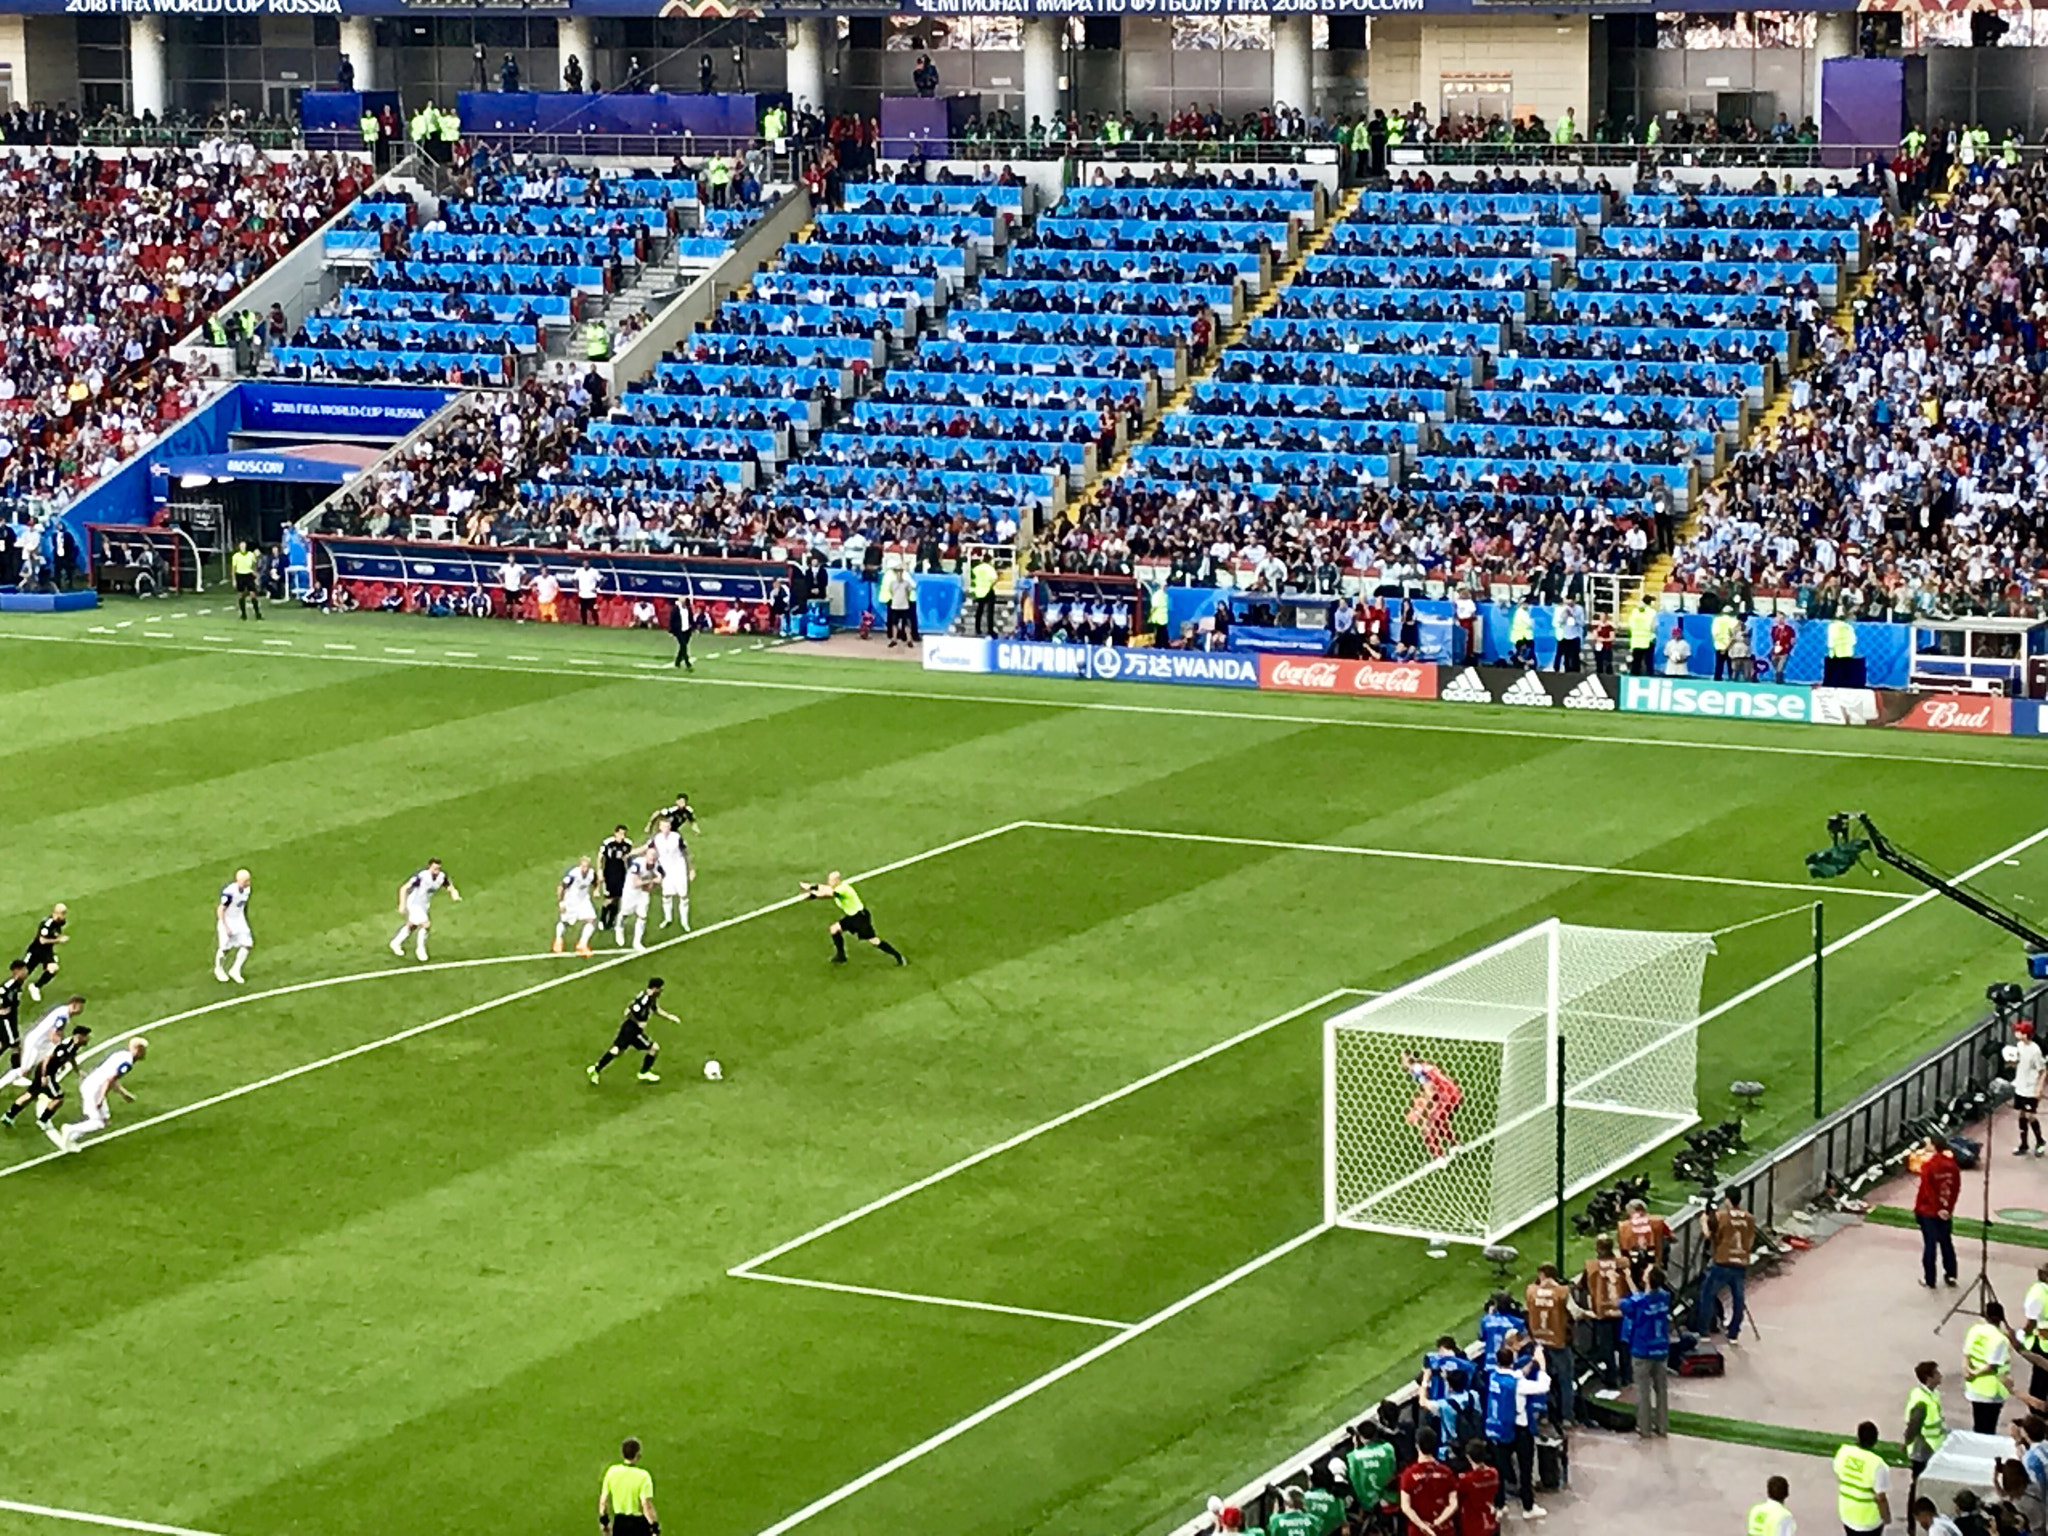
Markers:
point(1526, 690)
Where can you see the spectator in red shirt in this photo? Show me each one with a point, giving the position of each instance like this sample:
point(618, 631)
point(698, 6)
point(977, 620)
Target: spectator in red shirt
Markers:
point(1782, 637)
point(1934, 1208)
point(1428, 1490)
point(1478, 1493)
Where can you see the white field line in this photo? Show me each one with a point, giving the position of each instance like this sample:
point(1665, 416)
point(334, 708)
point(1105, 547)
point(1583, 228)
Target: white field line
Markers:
point(610, 962)
point(1457, 858)
point(113, 1522)
point(1038, 1384)
point(934, 1301)
point(1098, 706)
point(744, 1270)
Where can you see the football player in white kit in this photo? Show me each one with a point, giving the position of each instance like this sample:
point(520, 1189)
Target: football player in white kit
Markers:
point(92, 1093)
point(415, 898)
point(37, 1044)
point(231, 927)
point(573, 905)
point(643, 874)
point(675, 874)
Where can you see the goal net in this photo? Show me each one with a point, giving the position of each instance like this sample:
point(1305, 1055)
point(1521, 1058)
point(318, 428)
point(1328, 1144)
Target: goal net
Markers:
point(1440, 1098)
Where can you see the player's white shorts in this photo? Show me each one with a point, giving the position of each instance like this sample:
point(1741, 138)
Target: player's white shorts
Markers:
point(577, 909)
point(96, 1116)
point(675, 882)
point(233, 933)
point(633, 901)
point(417, 915)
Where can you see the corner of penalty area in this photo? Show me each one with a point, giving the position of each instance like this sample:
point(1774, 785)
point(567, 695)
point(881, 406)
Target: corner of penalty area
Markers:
point(1441, 1098)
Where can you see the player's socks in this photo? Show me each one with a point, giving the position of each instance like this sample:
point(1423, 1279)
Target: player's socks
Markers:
point(839, 947)
point(583, 944)
point(421, 950)
point(890, 949)
point(640, 931)
point(398, 941)
point(683, 912)
point(558, 936)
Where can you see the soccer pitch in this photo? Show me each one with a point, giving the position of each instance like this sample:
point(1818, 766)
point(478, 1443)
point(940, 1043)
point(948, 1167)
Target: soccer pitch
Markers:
point(1025, 1237)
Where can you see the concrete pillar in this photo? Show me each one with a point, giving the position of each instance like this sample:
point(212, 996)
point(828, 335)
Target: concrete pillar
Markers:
point(806, 63)
point(1042, 69)
point(1834, 37)
point(359, 47)
point(148, 73)
point(1294, 62)
point(573, 40)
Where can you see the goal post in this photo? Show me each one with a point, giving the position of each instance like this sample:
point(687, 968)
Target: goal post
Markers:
point(1440, 1097)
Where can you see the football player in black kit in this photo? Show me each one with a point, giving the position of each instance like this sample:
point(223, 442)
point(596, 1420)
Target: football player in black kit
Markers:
point(632, 1035)
point(41, 958)
point(10, 1011)
point(678, 816)
point(612, 857)
point(47, 1091)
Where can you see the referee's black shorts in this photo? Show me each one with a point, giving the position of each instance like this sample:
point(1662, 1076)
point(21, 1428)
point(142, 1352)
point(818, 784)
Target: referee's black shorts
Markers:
point(245, 581)
point(860, 924)
point(631, 1525)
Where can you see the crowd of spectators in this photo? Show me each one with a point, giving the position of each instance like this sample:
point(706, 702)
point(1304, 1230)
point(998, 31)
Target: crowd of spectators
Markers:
point(104, 262)
point(1909, 479)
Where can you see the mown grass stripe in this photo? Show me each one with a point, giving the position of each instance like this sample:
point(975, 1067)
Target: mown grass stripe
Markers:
point(1774, 1437)
point(1965, 1226)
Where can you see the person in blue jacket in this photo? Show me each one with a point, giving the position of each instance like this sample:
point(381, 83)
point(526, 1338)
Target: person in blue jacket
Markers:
point(1646, 1330)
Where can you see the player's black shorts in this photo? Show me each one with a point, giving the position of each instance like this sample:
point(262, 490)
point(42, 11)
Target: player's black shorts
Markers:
point(40, 957)
point(632, 1037)
point(2026, 1104)
point(861, 924)
point(630, 1525)
point(54, 1092)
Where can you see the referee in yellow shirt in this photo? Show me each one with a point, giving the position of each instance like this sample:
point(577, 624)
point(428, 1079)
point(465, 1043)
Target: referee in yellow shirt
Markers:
point(243, 562)
point(625, 1504)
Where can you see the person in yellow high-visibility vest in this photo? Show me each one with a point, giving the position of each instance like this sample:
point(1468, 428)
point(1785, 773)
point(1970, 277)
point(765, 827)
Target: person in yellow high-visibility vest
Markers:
point(1772, 1518)
point(981, 580)
point(1642, 638)
point(2033, 1334)
point(1723, 630)
point(1925, 1427)
point(243, 563)
point(1987, 1354)
point(1522, 635)
point(1863, 1483)
point(1156, 615)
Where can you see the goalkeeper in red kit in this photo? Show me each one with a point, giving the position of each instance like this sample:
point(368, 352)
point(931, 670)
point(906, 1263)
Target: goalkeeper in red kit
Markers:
point(1437, 1097)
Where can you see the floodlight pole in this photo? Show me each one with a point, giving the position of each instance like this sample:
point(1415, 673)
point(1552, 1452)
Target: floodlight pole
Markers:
point(1819, 1008)
point(1560, 1154)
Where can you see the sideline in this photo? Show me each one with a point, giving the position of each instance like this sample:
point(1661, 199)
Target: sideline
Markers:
point(633, 672)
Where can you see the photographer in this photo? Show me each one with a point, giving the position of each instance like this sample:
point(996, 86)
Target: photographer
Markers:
point(1730, 1232)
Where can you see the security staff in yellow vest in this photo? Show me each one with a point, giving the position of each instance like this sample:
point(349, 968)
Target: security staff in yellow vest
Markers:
point(2033, 1333)
point(1837, 672)
point(981, 580)
point(216, 331)
point(1863, 1483)
point(1772, 1518)
point(371, 129)
point(597, 341)
point(1914, 142)
point(1642, 637)
point(1156, 616)
point(1987, 1353)
point(1925, 1427)
point(1723, 630)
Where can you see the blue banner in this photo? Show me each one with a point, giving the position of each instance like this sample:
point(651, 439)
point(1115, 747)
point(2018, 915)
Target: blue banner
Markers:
point(350, 410)
point(259, 464)
point(1121, 664)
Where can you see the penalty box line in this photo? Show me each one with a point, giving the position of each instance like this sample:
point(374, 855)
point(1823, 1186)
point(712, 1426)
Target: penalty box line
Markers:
point(610, 962)
point(112, 1522)
point(751, 1269)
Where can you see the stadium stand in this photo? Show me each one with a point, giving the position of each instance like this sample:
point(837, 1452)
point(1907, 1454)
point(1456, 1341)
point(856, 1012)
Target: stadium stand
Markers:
point(1495, 379)
point(476, 287)
point(109, 260)
point(1846, 505)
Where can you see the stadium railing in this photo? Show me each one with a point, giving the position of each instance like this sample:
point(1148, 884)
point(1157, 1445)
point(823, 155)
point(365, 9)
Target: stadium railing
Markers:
point(1843, 1148)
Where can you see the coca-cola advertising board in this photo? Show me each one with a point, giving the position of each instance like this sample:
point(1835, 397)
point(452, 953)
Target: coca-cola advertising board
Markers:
point(1357, 679)
point(1957, 714)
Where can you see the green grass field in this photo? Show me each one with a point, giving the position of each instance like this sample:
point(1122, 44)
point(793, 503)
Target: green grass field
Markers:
point(371, 1256)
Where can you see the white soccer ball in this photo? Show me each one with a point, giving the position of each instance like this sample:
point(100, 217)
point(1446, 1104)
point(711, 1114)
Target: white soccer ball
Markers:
point(713, 1071)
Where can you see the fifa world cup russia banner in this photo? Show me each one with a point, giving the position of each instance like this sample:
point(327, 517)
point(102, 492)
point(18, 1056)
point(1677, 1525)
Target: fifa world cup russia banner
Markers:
point(1374, 679)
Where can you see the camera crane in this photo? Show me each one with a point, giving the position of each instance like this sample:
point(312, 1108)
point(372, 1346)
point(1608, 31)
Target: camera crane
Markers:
point(1845, 848)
